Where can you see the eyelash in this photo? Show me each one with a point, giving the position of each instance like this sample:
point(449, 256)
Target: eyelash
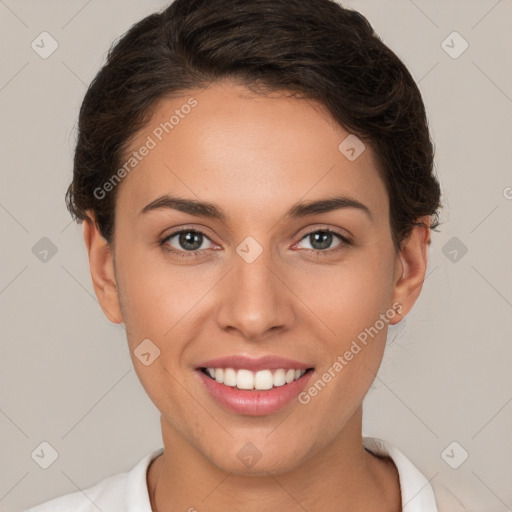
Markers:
point(317, 252)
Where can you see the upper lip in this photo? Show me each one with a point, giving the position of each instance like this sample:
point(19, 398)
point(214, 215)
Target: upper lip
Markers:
point(268, 362)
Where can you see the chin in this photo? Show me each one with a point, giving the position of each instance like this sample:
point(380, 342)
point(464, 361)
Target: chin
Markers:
point(259, 457)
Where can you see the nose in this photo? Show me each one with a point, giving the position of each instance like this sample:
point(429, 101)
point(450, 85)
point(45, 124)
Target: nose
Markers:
point(255, 298)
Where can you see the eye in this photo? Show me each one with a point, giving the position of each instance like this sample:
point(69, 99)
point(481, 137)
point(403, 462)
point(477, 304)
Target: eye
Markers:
point(321, 240)
point(191, 242)
point(186, 241)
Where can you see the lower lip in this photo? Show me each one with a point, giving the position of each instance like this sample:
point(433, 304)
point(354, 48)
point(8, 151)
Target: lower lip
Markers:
point(254, 403)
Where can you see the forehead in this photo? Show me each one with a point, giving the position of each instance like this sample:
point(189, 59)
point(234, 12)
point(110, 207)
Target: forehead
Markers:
point(226, 144)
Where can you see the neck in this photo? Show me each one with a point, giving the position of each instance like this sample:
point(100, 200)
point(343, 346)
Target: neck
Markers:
point(342, 473)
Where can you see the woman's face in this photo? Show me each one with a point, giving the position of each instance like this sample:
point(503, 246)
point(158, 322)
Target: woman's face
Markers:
point(254, 274)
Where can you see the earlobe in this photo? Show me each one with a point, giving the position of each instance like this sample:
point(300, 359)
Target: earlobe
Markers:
point(102, 271)
point(411, 267)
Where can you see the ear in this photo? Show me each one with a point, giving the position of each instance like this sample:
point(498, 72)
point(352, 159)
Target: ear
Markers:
point(102, 270)
point(410, 268)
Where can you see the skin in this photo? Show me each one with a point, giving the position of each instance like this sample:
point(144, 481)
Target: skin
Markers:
point(254, 156)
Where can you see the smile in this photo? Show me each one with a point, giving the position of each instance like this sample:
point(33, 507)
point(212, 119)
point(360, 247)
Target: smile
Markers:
point(250, 380)
point(257, 392)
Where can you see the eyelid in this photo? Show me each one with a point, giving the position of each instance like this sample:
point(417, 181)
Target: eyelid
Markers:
point(346, 237)
point(168, 233)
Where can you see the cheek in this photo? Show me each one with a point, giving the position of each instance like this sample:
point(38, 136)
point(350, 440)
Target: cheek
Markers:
point(155, 296)
point(355, 305)
point(352, 296)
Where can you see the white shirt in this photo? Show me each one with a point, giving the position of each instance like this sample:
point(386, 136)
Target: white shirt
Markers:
point(128, 492)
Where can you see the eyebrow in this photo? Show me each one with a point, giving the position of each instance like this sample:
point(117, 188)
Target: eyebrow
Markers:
point(298, 210)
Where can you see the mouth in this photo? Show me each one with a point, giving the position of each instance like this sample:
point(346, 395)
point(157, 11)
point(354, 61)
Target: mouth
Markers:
point(254, 387)
point(261, 380)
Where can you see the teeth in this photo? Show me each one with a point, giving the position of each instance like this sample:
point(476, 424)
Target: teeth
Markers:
point(229, 377)
point(279, 378)
point(244, 379)
point(219, 375)
point(248, 380)
point(263, 380)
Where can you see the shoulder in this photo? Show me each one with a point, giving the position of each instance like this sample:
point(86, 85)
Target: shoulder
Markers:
point(124, 492)
point(418, 495)
point(416, 491)
point(107, 493)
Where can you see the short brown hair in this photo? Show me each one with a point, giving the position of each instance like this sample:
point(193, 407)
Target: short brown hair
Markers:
point(315, 48)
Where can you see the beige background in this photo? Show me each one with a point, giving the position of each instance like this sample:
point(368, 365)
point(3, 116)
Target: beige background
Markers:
point(65, 373)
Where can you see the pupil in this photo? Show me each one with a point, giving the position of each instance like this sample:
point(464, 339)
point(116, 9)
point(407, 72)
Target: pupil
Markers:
point(189, 239)
point(323, 237)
